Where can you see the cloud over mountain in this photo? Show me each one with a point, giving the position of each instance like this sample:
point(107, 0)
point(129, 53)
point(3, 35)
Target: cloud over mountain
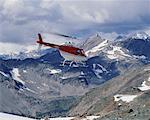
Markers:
point(21, 20)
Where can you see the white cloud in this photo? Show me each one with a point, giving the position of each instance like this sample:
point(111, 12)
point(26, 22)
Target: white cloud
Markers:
point(21, 20)
point(46, 4)
point(74, 12)
point(7, 48)
point(109, 36)
point(12, 7)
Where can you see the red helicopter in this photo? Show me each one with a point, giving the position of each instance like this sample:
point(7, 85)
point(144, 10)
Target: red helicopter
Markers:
point(68, 52)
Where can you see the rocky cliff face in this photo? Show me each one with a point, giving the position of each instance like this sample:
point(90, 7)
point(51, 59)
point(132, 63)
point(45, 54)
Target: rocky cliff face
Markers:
point(125, 96)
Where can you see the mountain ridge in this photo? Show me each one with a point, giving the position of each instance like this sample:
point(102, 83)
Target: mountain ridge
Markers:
point(45, 81)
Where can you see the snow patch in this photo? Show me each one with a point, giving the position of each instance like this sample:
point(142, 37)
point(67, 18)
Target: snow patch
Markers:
point(16, 75)
point(125, 98)
point(149, 79)
point(24, 71)
point(98, 47)
point(45, 85)
point(99, 69)
point(75, 65)
point(116, 52)
point(66, 76)
point(91, 117)
point(147, 69)
point(82, 73)
point(4, 116)
point(61, 118)
point(144, 86)
point(71, 118)
point(54, 71)
point(28, 89)
point(140, 35)
point(102, 68)
point(4, 74)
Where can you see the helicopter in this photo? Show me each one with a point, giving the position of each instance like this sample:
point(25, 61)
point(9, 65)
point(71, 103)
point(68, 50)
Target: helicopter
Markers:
point(67, 51)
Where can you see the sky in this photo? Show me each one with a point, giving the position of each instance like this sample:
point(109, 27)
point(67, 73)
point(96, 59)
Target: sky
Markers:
point(21, 20)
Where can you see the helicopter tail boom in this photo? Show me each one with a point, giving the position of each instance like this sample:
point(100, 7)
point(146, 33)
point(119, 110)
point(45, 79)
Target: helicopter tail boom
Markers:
point(41, 42)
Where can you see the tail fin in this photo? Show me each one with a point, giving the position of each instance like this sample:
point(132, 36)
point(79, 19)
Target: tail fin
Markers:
point(40, 37)
point(39, 41)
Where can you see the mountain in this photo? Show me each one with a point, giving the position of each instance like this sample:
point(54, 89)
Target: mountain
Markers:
point(138, 45)
point(96, 46)
point(28, 52)
point(91, 42)
point(124, 97)
point(139, 35)
point(132, 46)
point(35, 84)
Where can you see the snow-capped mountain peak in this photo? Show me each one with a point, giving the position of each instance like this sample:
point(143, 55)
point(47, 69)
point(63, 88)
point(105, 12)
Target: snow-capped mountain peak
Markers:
point(97, 35)
point(139, 35)
point(93, 44)
point(97, 48)
point(27, 52)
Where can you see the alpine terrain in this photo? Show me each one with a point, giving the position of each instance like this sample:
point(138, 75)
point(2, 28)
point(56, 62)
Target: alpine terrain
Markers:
point(114, 82)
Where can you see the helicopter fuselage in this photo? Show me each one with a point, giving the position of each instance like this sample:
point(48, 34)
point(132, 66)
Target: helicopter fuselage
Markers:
point(68, 52)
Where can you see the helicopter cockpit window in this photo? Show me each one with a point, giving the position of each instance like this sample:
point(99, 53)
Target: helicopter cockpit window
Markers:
point(78, 51)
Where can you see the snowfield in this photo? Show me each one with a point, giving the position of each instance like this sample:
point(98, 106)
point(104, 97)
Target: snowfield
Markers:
point(116, 52)
point(124, 98)
point(98, 47)
point(5, 116)
point(54, 71)
point(16, 75)
point(140, 35)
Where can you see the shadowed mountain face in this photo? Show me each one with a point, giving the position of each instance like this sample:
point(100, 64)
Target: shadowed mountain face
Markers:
point(138, 46)
point(36, 83)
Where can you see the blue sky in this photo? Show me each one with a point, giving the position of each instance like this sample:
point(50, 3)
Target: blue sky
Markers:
point(21, 20)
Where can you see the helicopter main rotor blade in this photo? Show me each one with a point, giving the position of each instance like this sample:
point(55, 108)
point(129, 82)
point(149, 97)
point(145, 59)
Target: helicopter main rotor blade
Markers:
point(62, 35)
